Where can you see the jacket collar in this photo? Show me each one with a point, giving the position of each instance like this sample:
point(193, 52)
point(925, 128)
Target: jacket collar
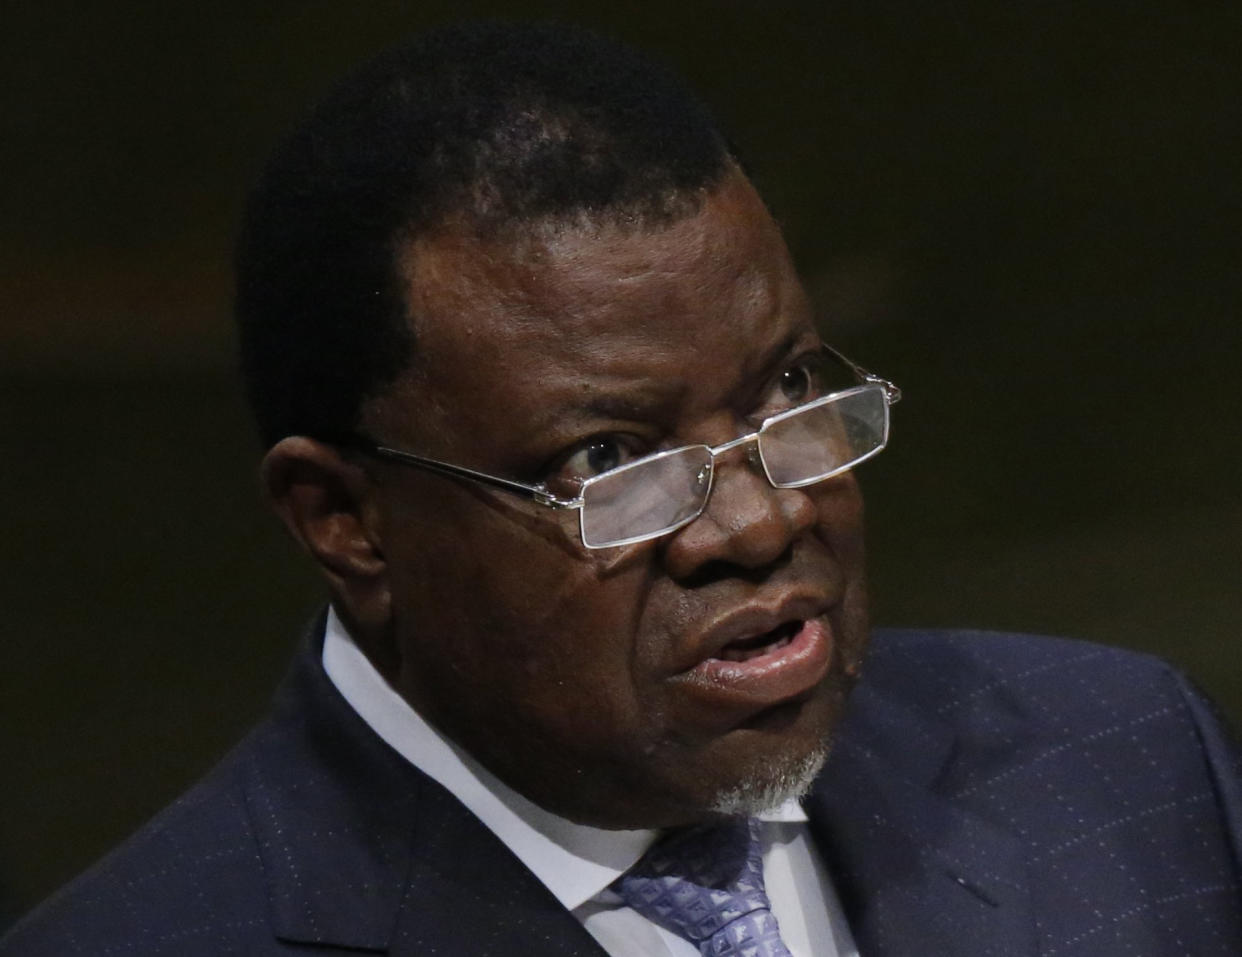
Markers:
point(362, 850)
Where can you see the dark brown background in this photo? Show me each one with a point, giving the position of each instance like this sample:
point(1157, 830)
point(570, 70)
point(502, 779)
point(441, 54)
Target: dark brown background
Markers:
point(1027, 215)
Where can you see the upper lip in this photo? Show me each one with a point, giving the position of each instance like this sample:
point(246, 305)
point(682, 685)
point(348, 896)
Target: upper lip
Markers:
point(756, 618)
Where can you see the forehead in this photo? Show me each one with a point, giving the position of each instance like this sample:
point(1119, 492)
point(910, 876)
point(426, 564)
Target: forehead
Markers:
point(586, 315)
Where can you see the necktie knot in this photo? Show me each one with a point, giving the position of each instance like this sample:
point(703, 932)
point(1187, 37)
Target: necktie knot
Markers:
point(706, 885)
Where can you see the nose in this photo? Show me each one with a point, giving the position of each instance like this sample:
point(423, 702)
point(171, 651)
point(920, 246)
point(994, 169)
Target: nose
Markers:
point(747, 522)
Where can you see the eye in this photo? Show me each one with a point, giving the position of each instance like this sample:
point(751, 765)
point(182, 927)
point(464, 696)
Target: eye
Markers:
point(592, 457)
point(798, 383)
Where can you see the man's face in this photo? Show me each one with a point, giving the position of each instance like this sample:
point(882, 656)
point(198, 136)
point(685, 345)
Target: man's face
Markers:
point(645, 685)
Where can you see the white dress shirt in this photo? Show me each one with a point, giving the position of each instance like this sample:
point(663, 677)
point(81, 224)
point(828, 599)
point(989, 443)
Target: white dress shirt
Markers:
point(576, 862)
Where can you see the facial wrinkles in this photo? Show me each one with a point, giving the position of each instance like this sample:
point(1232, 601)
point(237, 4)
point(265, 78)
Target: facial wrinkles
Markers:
point(545, 603)
point(579, 652)
point(603, 700)
point(675, 272)
point(645, 654)
point(563, 281)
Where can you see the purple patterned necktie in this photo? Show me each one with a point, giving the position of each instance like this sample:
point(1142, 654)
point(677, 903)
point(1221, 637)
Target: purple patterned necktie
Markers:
point(706, 884)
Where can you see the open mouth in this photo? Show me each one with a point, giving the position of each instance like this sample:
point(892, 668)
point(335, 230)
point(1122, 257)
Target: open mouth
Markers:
point(761, 670)
point(757, 646)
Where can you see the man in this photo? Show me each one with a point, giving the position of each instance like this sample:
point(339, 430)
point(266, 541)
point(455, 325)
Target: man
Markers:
point(545, 402)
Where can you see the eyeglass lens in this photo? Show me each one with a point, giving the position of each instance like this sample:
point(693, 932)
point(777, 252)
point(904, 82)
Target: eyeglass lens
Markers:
point(808, 445)
point(644, 499)
point(658, 494)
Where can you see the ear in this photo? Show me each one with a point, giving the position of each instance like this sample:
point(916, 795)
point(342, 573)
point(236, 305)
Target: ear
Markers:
point(327, 502)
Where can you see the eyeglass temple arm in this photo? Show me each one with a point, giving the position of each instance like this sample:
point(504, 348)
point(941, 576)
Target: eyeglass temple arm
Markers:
point(532, 492)
point(891, 391)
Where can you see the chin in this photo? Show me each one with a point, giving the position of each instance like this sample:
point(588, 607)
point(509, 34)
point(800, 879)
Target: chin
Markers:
point(784, 750)
point(771, 760)
point(771, 786)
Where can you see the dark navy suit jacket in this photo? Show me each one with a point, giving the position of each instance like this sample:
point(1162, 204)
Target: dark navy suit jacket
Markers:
point(988, 794)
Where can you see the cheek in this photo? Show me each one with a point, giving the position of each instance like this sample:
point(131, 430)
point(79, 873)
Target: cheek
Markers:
point(839, 521)
point(514, 615)
point(840, 528)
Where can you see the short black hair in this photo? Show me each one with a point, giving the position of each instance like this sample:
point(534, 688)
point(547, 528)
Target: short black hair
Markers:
point(506, 123)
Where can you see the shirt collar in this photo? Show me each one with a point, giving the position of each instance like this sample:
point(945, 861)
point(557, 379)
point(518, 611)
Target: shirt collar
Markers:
point(575, 862)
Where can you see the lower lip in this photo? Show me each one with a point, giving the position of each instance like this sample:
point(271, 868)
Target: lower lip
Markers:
point(768, 679)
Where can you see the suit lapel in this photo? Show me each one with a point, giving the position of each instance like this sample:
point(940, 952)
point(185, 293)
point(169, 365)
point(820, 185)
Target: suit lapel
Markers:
point(360, 850)
point(917, 874)
point(468, 894)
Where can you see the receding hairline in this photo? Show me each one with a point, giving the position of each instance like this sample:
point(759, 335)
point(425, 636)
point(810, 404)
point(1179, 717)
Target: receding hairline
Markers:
point(517, 129)
point(432, 262)
point(532, 236)
point(650, 213)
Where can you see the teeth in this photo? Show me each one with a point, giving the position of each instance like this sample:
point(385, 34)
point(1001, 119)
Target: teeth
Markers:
point(744, 652)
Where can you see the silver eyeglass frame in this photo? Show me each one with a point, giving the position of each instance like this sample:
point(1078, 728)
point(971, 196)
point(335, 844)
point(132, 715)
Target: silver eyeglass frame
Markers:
point(541, 496)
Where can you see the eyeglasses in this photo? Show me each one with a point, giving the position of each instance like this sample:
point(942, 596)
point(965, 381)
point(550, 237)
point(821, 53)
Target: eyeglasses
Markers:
point(659, 493)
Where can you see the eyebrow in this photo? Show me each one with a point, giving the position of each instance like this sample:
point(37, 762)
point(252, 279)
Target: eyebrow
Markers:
point(644, 405)
point(794, 343)
point(646, 402)
point(791, 344)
